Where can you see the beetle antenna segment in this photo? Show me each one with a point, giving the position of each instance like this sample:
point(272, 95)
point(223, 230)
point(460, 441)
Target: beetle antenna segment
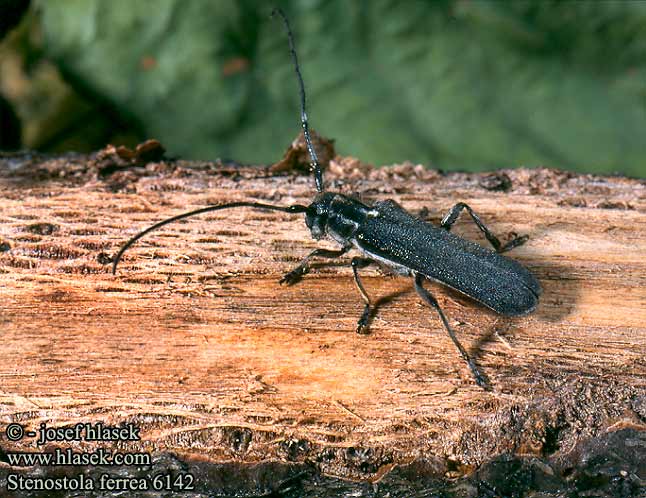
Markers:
point(316, 167)
point(296, 208)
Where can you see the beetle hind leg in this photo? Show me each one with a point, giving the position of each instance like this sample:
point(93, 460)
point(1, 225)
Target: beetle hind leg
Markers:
point(431, 301)
point(295, 275)
point(357, 264)
point(452, 216)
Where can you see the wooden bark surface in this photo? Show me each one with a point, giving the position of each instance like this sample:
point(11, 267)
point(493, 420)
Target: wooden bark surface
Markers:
point(196, 342)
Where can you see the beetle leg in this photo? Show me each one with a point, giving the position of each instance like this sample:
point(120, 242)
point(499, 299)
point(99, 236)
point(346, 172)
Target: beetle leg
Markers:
point(304, 267)
point(357, 264)
point(455, 211)
point(430, 300)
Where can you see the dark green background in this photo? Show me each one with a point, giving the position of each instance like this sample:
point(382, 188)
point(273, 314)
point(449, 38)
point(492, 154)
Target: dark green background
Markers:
point(451, 84)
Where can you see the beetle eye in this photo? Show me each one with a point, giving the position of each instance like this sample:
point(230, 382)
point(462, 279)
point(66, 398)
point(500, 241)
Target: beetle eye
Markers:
point(318, 231)
point(316, 224)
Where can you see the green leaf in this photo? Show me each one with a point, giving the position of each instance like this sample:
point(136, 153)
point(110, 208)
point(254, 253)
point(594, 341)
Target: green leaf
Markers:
point(456, 84)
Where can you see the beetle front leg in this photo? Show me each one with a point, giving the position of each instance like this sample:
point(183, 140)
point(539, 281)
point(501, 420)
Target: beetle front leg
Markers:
point(455, 211)
point(357, 264)
point(430, 300)
point(304, 267)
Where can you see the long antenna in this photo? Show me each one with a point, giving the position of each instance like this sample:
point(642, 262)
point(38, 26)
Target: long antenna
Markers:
point(316, 167)
point(296, 208)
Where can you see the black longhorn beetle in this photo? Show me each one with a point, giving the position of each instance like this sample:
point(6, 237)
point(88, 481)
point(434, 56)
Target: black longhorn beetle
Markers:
point(387, 235)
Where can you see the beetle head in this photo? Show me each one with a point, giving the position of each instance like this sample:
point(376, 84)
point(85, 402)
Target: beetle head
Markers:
point(316, 216)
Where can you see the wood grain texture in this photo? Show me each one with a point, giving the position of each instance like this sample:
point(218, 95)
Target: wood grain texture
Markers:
point(195, 341)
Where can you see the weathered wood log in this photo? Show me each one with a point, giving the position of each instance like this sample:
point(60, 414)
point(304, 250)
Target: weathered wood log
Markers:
point(195, 342)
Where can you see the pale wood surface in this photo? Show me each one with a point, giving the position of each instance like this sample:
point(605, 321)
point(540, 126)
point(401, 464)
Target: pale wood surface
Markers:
point(195, 341)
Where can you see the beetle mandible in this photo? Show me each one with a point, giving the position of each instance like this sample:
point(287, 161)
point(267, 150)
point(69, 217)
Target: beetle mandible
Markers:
point(386, 234)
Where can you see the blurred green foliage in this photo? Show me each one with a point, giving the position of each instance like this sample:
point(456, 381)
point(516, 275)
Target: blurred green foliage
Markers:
point(457, 84)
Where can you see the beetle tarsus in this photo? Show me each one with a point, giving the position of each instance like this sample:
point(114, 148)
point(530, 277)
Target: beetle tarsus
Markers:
point(515, 242)
point(477, 375)
point(304, 266)
point(362, 324)
point(293, 276)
